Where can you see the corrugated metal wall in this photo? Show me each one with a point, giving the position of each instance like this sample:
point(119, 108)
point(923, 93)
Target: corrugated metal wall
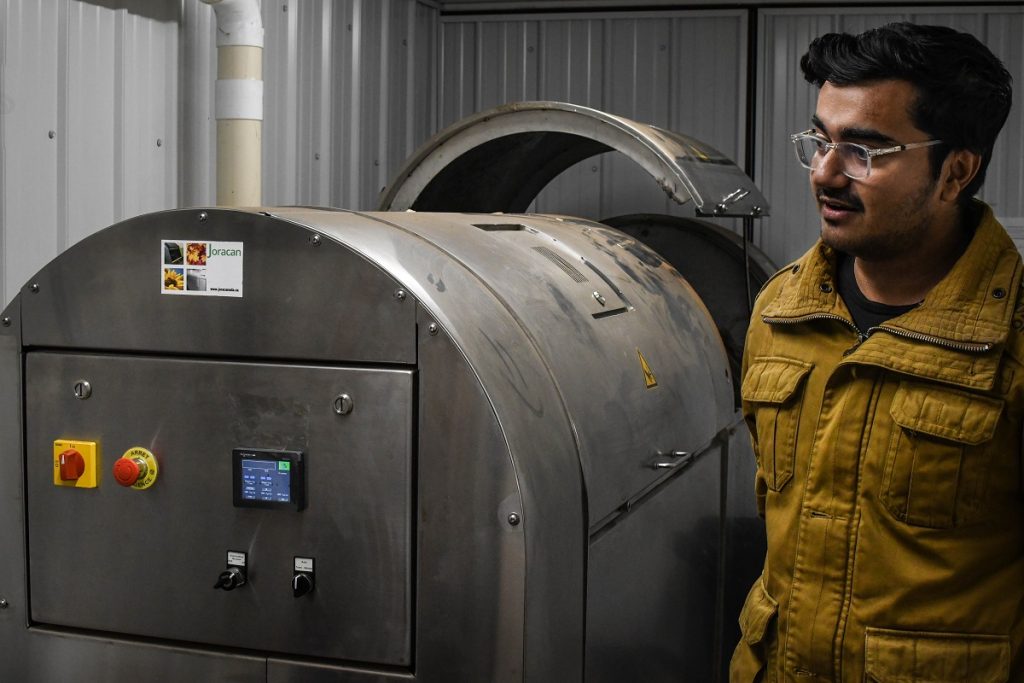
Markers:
point(785, 103)
point(349, 95)
point(685, 71)
point(88, 122)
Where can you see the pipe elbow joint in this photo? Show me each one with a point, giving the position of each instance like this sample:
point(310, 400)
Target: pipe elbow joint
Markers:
point(238, 22)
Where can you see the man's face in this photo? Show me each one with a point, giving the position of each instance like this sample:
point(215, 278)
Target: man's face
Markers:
point(887, 214)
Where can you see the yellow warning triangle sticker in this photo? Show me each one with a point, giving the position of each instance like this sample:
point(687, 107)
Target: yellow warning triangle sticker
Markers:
point(649, 379)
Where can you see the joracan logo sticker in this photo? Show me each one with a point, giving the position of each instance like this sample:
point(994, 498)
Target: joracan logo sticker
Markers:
point(649, 378)
point(200, 268)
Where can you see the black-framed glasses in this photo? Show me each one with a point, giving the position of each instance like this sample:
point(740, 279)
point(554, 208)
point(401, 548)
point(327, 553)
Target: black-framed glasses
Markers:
point(855, 159)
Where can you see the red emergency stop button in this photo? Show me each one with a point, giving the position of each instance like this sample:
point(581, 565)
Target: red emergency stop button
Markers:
point(127, 471)
point(72, 465)
point(136, 469)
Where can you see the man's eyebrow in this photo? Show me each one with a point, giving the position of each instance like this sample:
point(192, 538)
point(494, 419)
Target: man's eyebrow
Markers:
point(854, 133)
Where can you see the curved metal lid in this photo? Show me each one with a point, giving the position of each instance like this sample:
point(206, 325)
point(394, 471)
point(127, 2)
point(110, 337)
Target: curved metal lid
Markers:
point(500, 160)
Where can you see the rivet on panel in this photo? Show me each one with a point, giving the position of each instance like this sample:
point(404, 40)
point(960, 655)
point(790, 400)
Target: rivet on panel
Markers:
point(4, 604)
point(432, 328)
point(400, 295)
point(514, 519)
point(203, 216)
point(343, 404)
point(6, 322)
point(315, 240)
point(34, 288)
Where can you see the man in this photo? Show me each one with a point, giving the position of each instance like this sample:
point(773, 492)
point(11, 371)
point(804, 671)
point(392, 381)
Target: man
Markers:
point(884, 383)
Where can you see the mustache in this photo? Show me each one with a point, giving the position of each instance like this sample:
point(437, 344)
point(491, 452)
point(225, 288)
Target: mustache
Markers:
point(844, 196)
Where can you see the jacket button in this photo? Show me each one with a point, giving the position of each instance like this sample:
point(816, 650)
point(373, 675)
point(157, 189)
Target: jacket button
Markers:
point(825, 287)
point(998, 293)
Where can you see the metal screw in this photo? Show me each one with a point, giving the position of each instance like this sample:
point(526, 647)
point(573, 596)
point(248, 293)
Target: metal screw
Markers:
point(343, 404)
point(202, 216)
point(513, 518)
point(432, 328)
point(6, 322)
point(314, 240)
point(400, 295)
point(34, 288)
point(83, 389)
point(51, 134)
point(4, 604)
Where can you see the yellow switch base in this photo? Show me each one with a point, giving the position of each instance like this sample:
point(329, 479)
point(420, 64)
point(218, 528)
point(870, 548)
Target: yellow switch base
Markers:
point(88, 451)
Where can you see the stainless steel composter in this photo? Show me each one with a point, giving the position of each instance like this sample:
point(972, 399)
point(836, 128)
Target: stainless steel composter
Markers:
point(314, 445)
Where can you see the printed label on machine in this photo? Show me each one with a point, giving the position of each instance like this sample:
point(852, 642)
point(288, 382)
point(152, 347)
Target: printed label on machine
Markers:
point(197, 268)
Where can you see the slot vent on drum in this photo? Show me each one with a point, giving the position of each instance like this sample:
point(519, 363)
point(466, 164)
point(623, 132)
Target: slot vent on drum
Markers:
point(567, 267)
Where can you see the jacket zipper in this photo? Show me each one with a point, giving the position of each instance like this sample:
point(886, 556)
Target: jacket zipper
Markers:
point(972, 347)
point(978, 347)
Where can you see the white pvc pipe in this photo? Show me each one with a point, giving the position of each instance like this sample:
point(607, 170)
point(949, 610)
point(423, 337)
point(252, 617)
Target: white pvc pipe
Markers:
point(239, 102)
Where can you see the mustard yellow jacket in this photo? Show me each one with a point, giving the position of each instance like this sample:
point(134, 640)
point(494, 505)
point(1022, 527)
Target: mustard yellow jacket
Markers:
point(889, 478)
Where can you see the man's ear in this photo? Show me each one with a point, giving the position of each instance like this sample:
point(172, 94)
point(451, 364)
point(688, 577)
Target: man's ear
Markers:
point(958, 170)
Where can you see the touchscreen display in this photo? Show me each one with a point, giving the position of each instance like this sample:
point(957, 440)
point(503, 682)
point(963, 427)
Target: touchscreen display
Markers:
point(268, 478)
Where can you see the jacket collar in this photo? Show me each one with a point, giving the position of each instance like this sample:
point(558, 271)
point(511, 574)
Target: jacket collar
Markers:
point(968, 311)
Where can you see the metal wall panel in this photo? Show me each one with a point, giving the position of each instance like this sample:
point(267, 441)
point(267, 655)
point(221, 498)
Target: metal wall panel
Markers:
point(680, 70)
point(86, 90)
point(348, 95)
point(785, 103)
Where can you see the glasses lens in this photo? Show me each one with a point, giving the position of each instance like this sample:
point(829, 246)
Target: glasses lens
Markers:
point(855, 159)
point(809, 151)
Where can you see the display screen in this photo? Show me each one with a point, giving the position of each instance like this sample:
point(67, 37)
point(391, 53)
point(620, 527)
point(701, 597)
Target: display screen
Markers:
point(268, 478)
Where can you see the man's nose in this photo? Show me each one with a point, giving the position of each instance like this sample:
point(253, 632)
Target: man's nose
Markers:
point(830, 170)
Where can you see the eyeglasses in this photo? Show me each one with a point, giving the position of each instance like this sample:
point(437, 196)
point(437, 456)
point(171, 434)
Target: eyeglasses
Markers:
point(854, 159)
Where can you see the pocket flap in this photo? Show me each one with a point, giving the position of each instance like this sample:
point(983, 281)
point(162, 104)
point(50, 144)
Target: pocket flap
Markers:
point(946, 413)
point(923, 657)
point(757, 613)
point(773, 380)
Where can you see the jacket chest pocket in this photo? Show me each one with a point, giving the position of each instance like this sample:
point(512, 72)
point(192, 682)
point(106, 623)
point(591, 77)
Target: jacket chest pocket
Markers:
point(773, 387)
point(939, 455)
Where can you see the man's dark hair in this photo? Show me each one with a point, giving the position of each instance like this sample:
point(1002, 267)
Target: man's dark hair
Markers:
point(964, 91)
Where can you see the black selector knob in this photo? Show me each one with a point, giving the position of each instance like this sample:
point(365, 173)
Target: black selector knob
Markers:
point(230, 579)
point(302, 583)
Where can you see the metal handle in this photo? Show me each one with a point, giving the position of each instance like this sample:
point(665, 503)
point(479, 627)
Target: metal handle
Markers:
point(682, 458)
